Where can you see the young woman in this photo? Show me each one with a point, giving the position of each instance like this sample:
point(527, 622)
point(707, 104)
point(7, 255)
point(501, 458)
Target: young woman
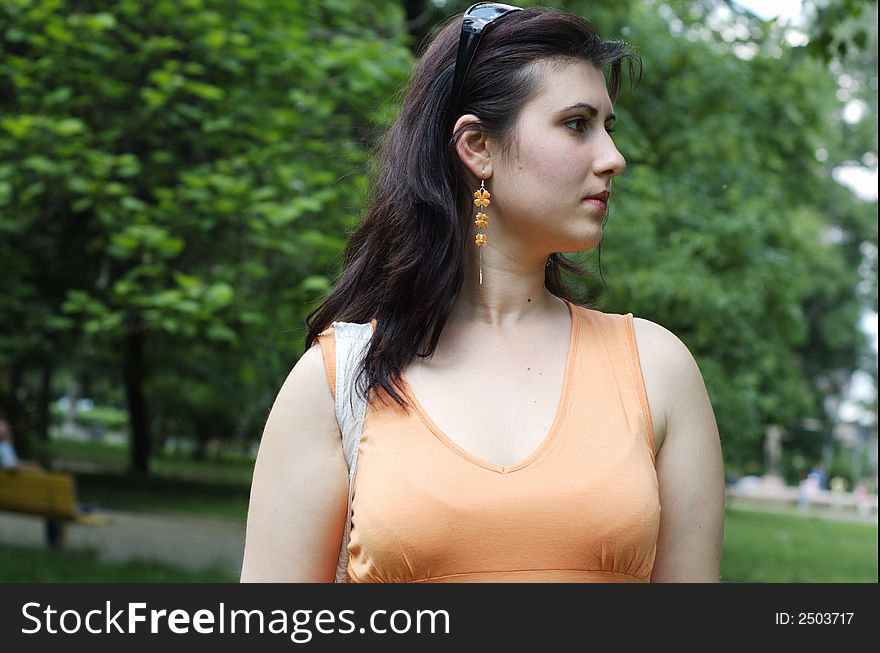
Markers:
point(510, 434)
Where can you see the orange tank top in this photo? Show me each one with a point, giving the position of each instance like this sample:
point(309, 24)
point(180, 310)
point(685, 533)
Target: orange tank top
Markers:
point(583, 507)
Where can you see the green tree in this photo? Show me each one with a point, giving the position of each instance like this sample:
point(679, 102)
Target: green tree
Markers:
point(182, 169)
point(731, 232)
point(178, 179)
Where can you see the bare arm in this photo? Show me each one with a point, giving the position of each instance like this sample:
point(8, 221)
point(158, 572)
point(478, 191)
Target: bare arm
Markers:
point(299, 492)
point(689, 465)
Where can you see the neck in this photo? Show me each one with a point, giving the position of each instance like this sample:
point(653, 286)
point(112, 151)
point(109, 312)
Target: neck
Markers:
point(512, 291)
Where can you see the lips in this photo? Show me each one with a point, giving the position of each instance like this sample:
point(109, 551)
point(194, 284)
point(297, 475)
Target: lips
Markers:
point(599, 200)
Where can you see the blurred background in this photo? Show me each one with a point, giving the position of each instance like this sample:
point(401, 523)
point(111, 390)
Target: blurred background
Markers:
point(178, 179)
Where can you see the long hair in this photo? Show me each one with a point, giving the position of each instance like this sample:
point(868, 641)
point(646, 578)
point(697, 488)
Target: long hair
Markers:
point(404, 264)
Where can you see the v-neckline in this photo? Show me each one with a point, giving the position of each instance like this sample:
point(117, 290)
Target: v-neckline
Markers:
point(561, 410)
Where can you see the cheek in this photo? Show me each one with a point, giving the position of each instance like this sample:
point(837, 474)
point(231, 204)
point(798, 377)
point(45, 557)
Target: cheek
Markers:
point(545, 175)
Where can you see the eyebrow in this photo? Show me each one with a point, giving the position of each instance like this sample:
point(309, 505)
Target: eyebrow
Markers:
point(593, 111)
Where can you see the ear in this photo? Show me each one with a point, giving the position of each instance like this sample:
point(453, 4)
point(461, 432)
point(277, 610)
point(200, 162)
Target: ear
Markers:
point(474, 148)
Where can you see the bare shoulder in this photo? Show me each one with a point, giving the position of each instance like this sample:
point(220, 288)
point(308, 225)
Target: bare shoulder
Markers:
point(689, 466)
point(658, 343)
point(668, 369)
point(305, 396)
point(299, 490)
point(309, 380)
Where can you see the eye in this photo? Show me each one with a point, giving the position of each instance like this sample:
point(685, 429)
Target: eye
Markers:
point(584, 122)
point(580, 120)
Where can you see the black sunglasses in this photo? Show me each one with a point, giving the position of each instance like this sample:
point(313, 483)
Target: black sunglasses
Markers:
point(476, 20)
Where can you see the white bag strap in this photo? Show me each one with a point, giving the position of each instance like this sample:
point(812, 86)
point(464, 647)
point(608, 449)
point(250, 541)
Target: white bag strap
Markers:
point(352, 341)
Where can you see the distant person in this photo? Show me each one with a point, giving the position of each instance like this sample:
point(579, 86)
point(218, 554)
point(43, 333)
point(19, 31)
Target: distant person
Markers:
point(863, 501)
point(9, 460)
point(808, 490)
point(821, 476)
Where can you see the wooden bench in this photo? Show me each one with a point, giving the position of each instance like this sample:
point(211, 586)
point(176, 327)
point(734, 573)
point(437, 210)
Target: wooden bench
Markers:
point(47, 494)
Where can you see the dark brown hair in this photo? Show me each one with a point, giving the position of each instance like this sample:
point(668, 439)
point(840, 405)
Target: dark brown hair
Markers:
point(404, 264)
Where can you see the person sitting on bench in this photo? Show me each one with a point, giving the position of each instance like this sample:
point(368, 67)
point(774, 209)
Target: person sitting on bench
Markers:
point(8, 458)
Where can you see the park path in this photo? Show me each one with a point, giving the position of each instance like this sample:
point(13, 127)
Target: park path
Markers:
point(189, 542)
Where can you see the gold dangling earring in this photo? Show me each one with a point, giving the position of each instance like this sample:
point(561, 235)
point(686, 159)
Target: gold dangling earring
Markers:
point(481, 200)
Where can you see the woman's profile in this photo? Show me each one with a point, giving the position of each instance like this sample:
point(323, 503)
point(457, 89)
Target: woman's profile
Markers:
point(510, 434)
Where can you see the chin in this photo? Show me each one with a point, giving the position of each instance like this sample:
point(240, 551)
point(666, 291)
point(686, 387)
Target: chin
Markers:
point(582, 242)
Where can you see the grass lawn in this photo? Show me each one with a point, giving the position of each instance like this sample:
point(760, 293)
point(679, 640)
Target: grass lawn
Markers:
point(218, 487)
point(113, 458)
point(765, 547)
point(27, 565)
point(162, 494)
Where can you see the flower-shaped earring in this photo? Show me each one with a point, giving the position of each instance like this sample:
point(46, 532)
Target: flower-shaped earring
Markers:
point(481, 200)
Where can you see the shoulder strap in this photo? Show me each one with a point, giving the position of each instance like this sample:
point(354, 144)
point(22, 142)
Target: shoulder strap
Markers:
point(352, 341)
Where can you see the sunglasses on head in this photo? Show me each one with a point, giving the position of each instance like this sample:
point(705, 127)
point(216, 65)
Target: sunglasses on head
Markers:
point(476, 21)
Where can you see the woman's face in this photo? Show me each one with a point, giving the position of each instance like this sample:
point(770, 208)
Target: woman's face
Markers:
point(563, 155)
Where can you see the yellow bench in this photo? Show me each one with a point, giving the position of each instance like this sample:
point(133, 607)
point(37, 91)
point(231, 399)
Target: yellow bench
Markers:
point(47, 494)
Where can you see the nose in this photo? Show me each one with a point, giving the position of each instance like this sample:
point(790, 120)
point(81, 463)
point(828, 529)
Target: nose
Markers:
point(609, 160)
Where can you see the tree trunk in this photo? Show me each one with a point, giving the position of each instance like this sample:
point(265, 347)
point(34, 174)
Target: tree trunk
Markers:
point(134, 372)
point(418, 22)
point(14, 415)
point(43, 402)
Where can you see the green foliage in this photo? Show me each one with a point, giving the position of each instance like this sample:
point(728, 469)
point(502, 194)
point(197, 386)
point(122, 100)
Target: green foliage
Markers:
point(729, 230)
point(105, 417)
point(185, 170)
point(193, 158)
point(827, 40)
point(190, 171)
